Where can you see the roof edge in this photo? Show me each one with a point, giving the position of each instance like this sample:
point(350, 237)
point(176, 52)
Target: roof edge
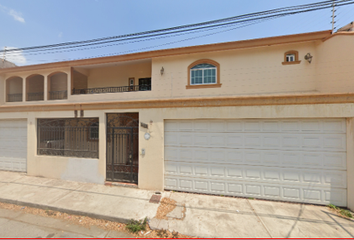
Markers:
point(259, 42)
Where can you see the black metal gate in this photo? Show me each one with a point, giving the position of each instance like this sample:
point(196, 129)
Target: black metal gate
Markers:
point(122, 149)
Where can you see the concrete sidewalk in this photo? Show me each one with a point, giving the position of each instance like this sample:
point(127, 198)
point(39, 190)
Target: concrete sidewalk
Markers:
point(196, 215)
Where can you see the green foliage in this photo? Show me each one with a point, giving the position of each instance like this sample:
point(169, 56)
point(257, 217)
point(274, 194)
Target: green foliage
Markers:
point(135, 226)
point(332, 206)
point(341, 211)
point(346, 213)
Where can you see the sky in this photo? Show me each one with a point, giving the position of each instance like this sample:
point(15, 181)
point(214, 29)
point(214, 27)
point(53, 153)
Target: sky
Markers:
point(26, 23)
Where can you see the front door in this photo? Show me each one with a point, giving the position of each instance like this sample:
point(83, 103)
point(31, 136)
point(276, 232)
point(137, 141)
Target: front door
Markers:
point(122, 161)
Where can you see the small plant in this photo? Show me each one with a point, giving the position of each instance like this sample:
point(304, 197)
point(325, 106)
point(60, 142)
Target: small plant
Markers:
point(346, 213)
point(135, 226)
point(251, 198)
point(341, 211)
point(332, 206)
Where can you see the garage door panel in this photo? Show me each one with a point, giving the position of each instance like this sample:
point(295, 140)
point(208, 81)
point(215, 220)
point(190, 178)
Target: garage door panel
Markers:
point(334, 126)
point(292, 159)
point(260, 174)
point(13, 145)
point(276, 141)
point(259, 190)
point(336, 161)
point(285, 126)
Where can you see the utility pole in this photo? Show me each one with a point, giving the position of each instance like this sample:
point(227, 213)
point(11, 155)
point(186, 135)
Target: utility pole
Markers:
point(4, 56)
point(333, 16)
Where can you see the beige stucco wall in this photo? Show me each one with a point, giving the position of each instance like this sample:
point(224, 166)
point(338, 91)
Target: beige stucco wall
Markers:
point(58, 82)
point(35, 84)
point(119, 74)
point(151, 165)
point(79, 80)
point(2, 90)
point(334, 64)
point(242, 72)
point(14, 85)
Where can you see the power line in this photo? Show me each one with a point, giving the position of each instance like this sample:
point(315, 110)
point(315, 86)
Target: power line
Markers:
point(191, 27)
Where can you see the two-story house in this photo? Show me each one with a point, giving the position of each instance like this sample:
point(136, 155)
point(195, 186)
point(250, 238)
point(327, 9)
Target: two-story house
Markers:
point(269, 118)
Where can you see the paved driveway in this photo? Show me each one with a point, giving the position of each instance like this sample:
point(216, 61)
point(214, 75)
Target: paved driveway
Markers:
point(213, 216)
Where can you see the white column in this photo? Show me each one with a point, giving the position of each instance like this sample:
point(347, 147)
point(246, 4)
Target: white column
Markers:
point(46, 88)
point(102, 144)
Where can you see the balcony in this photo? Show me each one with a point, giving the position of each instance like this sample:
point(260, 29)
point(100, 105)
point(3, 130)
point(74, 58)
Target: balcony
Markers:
point(57, 95)
point(35, 96)
point(135, 88)
point(14, 89)
point(14, 97)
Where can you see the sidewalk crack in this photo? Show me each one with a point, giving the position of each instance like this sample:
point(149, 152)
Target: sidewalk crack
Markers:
point(255, 213)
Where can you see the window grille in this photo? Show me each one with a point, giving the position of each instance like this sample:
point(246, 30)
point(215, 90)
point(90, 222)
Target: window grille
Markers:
point(69, 137)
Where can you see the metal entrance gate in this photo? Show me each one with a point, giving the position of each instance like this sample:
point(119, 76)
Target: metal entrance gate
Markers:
point(122, 151)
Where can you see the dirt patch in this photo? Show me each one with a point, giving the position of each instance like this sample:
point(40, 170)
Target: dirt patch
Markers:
point(166, 206)
point(107, 225)
point(160, 234)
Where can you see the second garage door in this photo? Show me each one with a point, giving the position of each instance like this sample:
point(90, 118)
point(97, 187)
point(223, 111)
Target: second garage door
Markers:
point(13, 145)
point(289, 160)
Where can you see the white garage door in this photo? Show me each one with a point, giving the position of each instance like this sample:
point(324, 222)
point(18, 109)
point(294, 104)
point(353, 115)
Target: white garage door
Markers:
point(13, 145)
point(288, 160)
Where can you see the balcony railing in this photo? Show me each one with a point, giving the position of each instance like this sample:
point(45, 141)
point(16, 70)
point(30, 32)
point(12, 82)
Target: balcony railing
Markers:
point(145, 87)
point(38, 96)
point(14, 97)
point(56, 95)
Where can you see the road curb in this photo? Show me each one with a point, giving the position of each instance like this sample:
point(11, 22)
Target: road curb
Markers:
point(65, 210)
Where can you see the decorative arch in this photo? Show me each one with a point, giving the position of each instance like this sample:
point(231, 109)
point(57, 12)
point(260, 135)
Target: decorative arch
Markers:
point(33, 75)
point(57, 85)
point(14, 89)
point(204, 61)
point(35, 87)
point(53, 73)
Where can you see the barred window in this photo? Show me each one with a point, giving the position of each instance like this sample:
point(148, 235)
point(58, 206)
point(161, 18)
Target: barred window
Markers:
point(69, 137)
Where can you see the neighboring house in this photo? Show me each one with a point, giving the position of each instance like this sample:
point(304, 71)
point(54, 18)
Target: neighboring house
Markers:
point(6, 64)
point(268, 118)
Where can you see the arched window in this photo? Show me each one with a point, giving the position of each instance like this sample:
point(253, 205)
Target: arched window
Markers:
point(204, 73)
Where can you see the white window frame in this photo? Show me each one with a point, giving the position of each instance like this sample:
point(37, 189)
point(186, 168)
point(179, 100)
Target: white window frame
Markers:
point(203, 83)
point(290, 57)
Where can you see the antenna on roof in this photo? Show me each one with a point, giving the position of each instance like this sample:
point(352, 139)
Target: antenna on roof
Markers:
point(333, 16)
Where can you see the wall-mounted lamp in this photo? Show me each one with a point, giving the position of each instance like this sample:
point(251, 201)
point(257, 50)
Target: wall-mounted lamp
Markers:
point(162, 71)
point(308, 57)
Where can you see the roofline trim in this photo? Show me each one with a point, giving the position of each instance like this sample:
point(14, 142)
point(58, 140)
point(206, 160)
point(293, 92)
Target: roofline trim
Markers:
point(260, 42)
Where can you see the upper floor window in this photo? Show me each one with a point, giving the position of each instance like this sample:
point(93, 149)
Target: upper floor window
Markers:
point(291, 57)
point(203, 74)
